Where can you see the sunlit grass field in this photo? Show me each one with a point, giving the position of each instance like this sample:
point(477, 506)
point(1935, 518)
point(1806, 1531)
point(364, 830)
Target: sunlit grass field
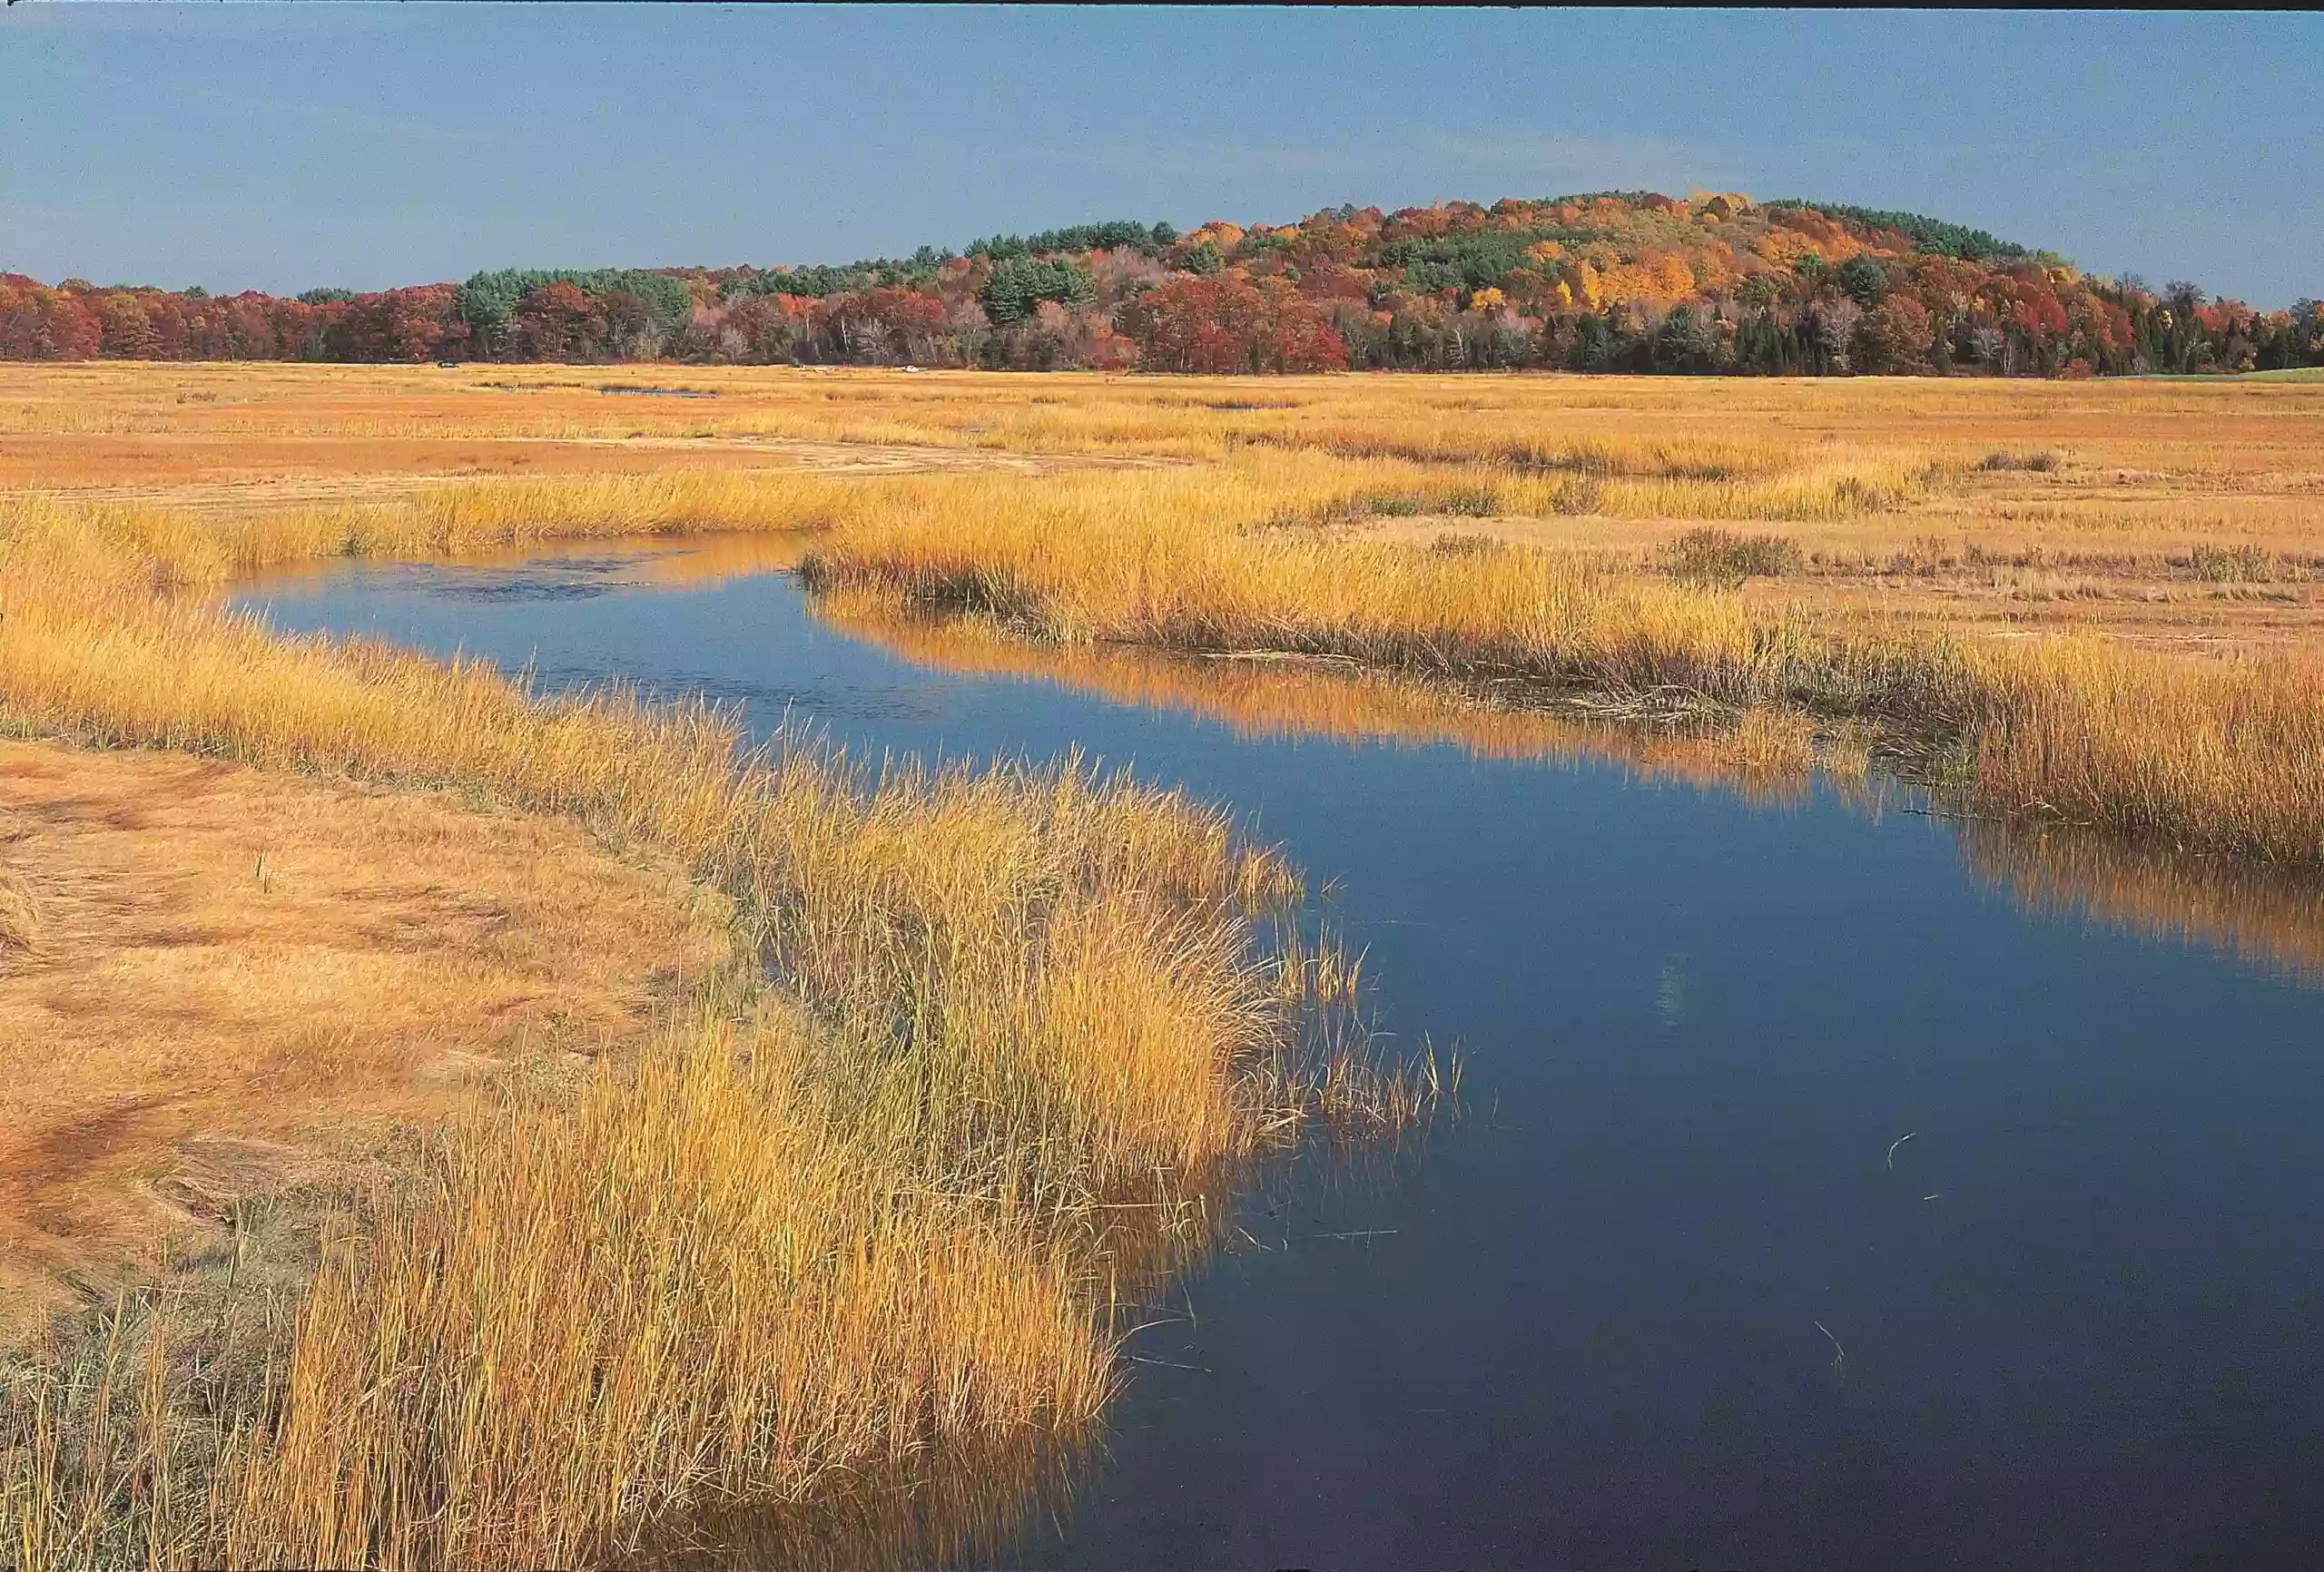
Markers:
point(2177, 514)
point(859, 1195)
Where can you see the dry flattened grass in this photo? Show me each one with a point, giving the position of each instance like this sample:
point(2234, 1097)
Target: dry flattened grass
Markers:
point(228, 960)
point(20, 923)
point(1700, 424)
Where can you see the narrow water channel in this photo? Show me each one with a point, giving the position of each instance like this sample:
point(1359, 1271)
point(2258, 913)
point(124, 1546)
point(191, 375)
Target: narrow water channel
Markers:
point(1823, 1200)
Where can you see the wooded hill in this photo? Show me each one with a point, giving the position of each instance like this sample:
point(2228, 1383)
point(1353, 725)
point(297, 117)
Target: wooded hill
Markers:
point(1609, 282)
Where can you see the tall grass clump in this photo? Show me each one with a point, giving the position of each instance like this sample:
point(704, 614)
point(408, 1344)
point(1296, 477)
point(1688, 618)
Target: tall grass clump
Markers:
point(705, 1279)
point(2220, 755)
point(708, 1279)
point(1723, 557)
point(58, 546)
point(2042, 463)
point(2243, 564)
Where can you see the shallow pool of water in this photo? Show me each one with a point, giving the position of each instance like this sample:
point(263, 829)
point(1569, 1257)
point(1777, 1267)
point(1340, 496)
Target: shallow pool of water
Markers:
point(1821, 1202)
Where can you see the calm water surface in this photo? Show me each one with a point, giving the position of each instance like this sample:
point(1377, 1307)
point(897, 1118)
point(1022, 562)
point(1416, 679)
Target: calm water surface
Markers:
point(1675, 1293)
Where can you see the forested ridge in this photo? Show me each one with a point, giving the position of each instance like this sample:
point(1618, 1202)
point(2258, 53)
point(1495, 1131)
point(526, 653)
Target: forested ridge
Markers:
point(1607, 281)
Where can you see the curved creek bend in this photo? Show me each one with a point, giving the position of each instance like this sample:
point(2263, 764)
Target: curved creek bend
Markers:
point(1837, 1186)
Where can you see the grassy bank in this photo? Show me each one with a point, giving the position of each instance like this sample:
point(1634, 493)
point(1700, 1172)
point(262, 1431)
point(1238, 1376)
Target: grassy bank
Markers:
point(2220, 755)
point(796, 1237)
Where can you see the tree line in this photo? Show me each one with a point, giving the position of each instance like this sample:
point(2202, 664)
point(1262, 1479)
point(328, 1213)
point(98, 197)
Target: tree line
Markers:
point(1607, 281)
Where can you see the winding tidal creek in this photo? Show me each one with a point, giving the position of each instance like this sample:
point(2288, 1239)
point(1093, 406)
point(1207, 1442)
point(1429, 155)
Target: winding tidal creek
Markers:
point(1836, 1184)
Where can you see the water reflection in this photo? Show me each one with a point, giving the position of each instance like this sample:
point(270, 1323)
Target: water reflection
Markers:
point(2271, 917)
point(1290, 697)
point(958, 1504)
point(581, 570)
point(2268, 915)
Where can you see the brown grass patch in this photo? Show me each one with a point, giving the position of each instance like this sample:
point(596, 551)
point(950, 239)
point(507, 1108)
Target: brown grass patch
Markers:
point(229, 955)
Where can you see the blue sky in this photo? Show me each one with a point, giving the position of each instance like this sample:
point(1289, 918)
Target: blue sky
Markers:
point(279, 147)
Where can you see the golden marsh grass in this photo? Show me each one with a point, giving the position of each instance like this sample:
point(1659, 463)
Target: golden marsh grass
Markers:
point(808, 1234)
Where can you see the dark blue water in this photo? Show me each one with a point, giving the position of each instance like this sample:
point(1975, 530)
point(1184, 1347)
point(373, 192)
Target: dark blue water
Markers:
point(1673, 1294)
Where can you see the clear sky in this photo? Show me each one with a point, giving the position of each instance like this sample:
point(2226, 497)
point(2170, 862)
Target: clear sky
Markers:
point(279, 147)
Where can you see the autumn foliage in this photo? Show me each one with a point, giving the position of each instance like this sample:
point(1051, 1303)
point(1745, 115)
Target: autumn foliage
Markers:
point(1620, 281)
point(1227, 323)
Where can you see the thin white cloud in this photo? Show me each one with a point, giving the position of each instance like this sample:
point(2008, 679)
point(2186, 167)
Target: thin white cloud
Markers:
point(320, 113)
